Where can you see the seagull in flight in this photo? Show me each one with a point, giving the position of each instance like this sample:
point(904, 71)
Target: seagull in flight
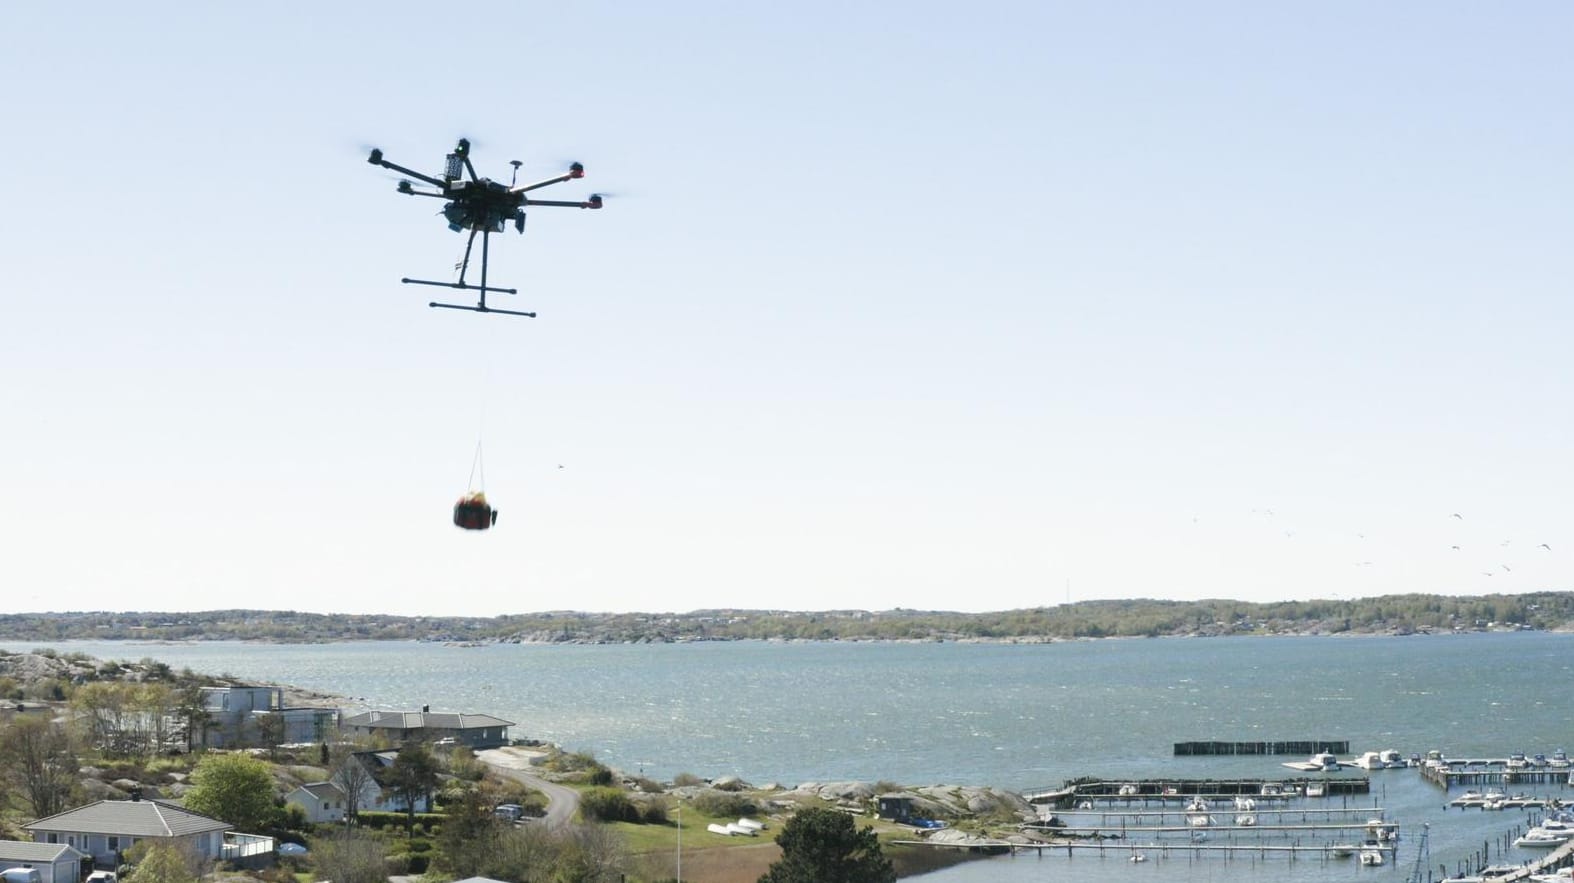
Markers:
point(1545, 546)
point(1457, 515)
point(1455, 548)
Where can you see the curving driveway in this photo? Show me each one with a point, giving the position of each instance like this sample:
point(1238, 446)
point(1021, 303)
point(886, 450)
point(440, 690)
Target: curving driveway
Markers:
point(562, 801)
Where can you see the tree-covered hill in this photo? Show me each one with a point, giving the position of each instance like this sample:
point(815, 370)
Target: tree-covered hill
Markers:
point(1142, 617)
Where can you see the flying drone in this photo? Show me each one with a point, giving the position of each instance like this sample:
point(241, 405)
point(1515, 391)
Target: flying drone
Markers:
point(482, 206)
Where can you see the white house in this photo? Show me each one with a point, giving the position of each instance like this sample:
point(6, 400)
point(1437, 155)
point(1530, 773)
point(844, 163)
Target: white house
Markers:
point(321, 801)
point(55, 862)
point(375, 795)
point(107, 828)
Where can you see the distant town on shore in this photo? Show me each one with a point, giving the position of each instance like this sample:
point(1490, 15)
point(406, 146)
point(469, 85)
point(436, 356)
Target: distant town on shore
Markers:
point(1411, 614)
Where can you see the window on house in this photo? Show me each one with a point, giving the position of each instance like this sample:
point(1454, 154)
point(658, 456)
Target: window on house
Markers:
point(114, 842)
point(54, 838)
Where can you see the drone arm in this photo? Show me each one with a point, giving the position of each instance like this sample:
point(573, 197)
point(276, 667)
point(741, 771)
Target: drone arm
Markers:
point(376, 159)
point(574, 171)
point(592, 202)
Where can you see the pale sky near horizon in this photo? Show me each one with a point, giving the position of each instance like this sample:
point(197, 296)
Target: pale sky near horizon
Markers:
point(932, 305)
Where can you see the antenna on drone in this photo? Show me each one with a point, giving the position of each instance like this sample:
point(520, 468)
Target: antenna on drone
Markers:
point(515, 179)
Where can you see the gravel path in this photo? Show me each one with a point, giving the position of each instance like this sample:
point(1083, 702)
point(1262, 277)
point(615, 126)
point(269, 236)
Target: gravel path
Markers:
point(562, 802)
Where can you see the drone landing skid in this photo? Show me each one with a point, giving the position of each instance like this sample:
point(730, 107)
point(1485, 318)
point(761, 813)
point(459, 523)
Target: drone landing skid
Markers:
point(481, 308)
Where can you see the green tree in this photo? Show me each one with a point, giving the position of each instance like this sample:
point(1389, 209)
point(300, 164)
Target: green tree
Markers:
point(412, 777)
point(469, 836)
point(234, 788)
point(826, 846)
point(163, 863)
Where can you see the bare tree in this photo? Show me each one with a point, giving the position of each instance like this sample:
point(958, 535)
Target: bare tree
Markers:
point(37, 755)
point(355, 777)
point(270, 733)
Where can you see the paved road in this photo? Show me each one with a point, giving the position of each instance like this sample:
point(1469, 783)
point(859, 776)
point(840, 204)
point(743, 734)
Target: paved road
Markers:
point(562, 802)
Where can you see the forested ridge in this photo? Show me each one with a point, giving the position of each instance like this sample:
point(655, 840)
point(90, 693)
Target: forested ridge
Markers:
point(1142, 617)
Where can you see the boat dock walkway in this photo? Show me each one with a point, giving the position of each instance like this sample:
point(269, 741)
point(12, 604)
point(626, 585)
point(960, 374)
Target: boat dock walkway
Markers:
point(1167, 791)
point(1166, 850)
point(1492, 773)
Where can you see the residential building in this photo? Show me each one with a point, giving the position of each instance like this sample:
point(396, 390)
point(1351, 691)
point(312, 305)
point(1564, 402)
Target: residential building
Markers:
point(55, 862)
point(107, 828)
point(236, 715)
point(472, 730)
point(321, 801)
point(376, 796)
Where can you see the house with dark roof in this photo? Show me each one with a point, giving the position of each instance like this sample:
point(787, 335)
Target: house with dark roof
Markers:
point(55, 862)
point(107, 828)
point(472, 730)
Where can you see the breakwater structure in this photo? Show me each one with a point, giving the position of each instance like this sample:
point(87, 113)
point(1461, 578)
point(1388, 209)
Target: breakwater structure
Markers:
point(1304, 748)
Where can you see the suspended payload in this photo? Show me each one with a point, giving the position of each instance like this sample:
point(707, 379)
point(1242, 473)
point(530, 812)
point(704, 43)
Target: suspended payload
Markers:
point(473, 512)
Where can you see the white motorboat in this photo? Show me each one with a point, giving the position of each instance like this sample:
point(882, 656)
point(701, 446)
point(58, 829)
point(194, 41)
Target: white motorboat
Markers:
point(1393, 759)
point(1315, 789)
point(1343, 850)
point(1371, 857)
point(1317, 763)
point(1197, 804)
point(1371, 760)
point(1540, 838)
point(1245, 820)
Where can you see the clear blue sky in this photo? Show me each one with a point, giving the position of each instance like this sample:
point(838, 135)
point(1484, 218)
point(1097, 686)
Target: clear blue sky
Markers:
point(937, 305)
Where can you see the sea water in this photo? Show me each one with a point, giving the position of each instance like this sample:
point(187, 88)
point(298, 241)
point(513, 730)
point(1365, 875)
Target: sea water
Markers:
point(1016, 716)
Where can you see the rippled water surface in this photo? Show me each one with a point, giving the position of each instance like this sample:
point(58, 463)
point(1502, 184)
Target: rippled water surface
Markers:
point(1015, 716)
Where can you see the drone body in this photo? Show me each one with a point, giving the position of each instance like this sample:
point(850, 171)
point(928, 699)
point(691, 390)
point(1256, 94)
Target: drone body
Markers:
point(482, 206)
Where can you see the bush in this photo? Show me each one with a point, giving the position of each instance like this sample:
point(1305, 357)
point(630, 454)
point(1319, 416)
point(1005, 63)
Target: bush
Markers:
point(653, 813)
point(608, 805)
point(685, 780)
point(600, 776)
point(724, 804)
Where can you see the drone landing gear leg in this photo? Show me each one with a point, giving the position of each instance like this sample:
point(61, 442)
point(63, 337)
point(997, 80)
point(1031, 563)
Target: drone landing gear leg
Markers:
point(464, 266)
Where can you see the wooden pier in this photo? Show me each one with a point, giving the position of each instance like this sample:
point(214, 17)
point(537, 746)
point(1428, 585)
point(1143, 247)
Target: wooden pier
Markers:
point(1302, 748)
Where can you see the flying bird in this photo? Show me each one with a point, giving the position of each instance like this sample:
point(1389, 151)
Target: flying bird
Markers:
point(1545, 546)
point(1457, 515)
point(1455, 548)
point(1507, 569)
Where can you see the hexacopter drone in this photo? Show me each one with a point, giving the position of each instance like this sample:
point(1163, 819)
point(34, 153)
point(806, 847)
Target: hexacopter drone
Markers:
point(479, 205)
